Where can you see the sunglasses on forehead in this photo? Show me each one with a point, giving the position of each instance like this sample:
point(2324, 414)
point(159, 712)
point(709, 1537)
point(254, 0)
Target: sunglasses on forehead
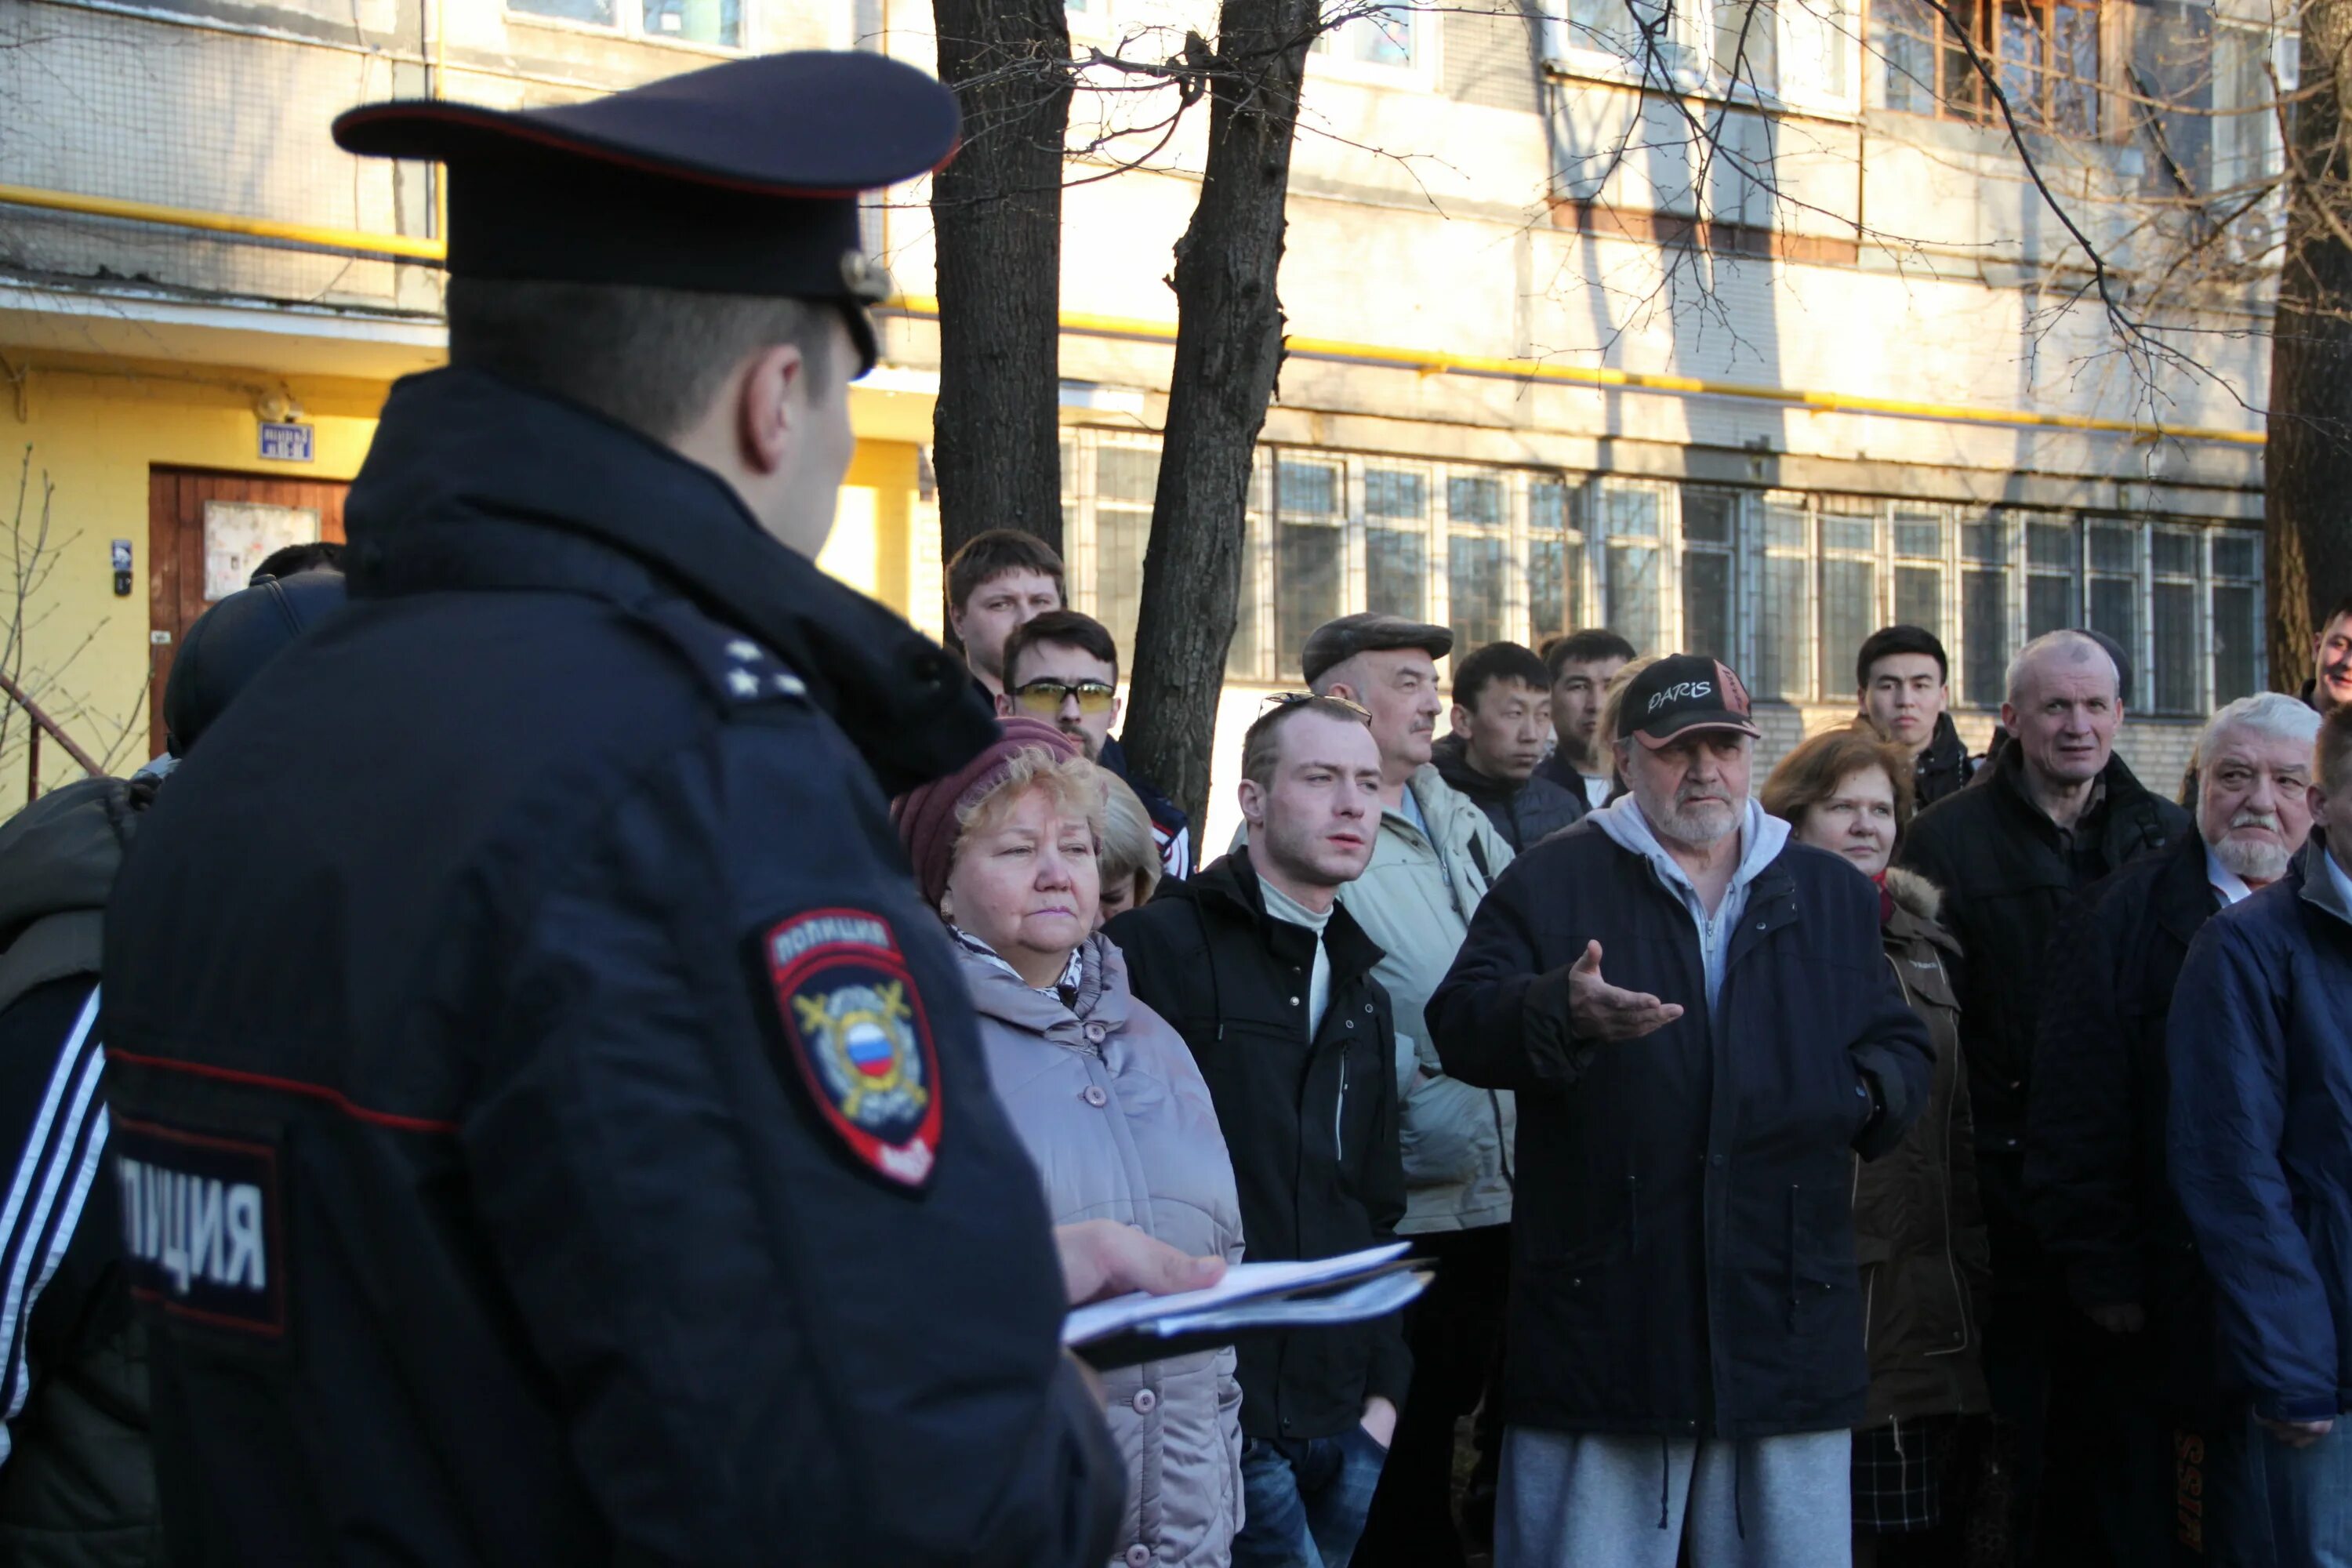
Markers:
point(1293, 698)
point(1044, 698)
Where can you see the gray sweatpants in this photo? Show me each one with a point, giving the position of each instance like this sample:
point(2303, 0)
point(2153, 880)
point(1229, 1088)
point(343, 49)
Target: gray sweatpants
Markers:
point(1581, 1499)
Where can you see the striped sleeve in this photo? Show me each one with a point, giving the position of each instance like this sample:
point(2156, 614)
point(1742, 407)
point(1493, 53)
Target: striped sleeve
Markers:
point(55, 1115)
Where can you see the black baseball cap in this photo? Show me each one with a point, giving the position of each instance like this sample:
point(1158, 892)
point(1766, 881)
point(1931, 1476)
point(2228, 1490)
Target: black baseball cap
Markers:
point(741, 178)
point(1682, 692)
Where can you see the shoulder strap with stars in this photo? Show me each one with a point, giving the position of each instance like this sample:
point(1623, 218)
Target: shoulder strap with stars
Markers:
point(739, 670)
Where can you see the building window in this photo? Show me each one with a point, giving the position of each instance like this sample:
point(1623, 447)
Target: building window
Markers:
point(2172, 620)
point(1310, 550)
point(1794, 51)
point(2044, 54)
point(1747, 43)
point(1849, 587)
point(1555, 559)
point(1783, 587)
point(717, 22)
point(1784, 621)
point(2237, 579)
point(1984, 609)
point(1396, 541)
point(1710, 573)
point(1919, 568)
point(1382, 36)
point(1245, 656)
point(2053, 564)
point(1125, 479)
point(1477, 549)
point(1631, 559)
point(2113, 592)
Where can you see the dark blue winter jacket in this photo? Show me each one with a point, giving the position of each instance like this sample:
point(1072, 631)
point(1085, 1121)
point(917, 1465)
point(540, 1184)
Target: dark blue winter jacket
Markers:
point(1683, 1249)
point(2259, 1046)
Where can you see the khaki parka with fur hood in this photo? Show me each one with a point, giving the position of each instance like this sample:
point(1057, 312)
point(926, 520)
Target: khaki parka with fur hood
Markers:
point(1918, 1224)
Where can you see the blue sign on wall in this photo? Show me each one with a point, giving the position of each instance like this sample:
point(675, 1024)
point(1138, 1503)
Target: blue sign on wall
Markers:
point(285, 442)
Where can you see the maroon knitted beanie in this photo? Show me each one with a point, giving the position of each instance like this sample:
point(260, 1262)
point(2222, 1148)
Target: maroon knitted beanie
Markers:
point(930, 815)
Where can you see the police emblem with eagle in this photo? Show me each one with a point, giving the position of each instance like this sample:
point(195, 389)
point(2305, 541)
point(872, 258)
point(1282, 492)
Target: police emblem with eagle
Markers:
point(867, 1052)
point(859, 1036)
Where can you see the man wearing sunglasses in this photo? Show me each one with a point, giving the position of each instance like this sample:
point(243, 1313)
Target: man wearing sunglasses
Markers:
point(1063, 667)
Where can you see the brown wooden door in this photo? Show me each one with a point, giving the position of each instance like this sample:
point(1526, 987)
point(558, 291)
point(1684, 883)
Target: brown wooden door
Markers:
point(205, 532)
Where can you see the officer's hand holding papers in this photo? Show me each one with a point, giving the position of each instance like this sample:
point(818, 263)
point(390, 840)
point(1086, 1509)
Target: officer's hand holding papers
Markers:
point(1252, 1299)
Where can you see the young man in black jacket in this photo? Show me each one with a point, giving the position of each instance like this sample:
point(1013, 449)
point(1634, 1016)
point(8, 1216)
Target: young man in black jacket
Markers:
point(1502, 717)
point(1902, 684)
point(1271, 983)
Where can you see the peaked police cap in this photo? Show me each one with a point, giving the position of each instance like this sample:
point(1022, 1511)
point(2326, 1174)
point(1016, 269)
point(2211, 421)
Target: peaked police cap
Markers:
point(742, 178)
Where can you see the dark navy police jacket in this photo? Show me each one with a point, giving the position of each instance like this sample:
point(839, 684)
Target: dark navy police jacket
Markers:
point(550, 1128)
point(1682, 1248)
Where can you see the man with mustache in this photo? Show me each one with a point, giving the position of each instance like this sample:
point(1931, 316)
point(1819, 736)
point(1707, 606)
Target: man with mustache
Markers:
point(1702, 1031)
point(2054, 812)
point(2096, 1181)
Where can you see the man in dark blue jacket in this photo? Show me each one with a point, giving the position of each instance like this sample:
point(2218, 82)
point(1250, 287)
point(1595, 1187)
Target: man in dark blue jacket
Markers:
point(2260, 1045)
point(570, 1142)
point(1686, 1328)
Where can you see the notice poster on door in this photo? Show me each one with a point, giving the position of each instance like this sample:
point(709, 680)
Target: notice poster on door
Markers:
point(239, 535)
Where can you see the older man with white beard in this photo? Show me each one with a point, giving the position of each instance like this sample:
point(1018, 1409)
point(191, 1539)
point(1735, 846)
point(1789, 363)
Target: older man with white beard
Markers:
point(1684, 1344)
point(2096, 1180)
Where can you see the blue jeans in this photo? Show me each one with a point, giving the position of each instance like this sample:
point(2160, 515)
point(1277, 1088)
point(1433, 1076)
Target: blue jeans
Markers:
point(2310, 1495)
point(1306, 1501)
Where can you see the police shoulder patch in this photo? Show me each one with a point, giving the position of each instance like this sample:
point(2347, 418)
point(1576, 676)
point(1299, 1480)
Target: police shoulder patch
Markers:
point(854, 1028)
point(203, 1225)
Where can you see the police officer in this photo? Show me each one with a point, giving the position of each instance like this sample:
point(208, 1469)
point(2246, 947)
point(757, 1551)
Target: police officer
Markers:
point(568, 1142)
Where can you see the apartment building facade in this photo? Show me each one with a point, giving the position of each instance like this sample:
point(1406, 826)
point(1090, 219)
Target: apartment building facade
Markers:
point(1742, 329)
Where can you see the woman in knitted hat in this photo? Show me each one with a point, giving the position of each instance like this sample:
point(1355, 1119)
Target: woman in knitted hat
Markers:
point(1103, 1093)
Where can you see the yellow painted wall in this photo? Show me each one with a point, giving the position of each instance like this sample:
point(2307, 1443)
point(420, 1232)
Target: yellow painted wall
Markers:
point(87, 431)
point(872, 531)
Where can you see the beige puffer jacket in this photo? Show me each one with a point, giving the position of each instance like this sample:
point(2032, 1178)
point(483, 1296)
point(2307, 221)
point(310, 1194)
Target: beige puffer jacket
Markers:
point(1115, 1115)
point(1415, 901)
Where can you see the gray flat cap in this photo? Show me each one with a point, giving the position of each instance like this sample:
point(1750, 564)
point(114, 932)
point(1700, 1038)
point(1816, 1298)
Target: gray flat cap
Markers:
point(1336, 642)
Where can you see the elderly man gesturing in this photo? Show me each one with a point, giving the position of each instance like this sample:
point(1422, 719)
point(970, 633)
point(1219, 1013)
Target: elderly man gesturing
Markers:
point(1703, 1030)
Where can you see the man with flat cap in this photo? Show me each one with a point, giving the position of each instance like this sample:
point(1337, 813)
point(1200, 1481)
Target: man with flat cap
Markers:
point(1434, 858)
point(571, 1142)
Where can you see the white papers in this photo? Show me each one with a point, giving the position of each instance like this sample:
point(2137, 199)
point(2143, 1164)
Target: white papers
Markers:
point(1262, 1284)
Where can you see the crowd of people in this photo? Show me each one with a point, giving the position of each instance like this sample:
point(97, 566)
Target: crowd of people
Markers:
point(1789, 1150)
point(598, 1043)
point(1885, 1142)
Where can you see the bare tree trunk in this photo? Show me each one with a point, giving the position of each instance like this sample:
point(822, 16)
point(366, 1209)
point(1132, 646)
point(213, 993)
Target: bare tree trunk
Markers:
point(2307, 464)
point(997, 214)
point(1228, 353)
